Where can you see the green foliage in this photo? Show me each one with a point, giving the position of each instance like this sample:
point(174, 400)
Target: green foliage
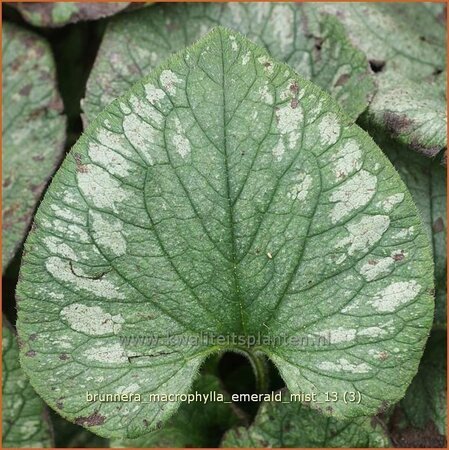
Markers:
point(33, 131)
point(406, 45)
point(57, 14)
point(179, 203)
point(426, 180)
point(70, 435)
point(313, 45)
point(293, 424)
point(223, 204)
point(25, 418)
point(425, 399)
point(195, 424)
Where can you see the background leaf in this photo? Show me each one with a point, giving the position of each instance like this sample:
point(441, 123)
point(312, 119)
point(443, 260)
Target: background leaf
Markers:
point(25, 417)
point(422, 413)
point(315, 46)
point(33, 130)
point(57, 14)
point(406, 45)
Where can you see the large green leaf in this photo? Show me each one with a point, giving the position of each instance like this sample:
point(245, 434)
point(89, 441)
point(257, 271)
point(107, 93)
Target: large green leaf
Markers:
point(291, 423)
point(33, 130)
point(426, 180)
point(57, 14)
point(200, 423)
point(315, 46)
point(406, 44)
point(24, 417)
point(230, 204)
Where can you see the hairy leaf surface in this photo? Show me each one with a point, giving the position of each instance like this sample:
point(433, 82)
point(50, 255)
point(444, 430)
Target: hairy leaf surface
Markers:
point(223, 199)
point(406, 45)
point(25, 420)
point(33, 130)
point(315, 46)
point(194, 425)
point(57, 14)
point(293, 424)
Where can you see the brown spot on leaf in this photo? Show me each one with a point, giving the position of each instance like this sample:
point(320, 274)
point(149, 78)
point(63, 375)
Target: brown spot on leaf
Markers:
point(342, 80)
point(17, 62)
point(33, 337)
point(9, 212)
point(63, 357)
point(443, 15)
point(7, 182)
point(383, 407)
point(397, 123)
point(93, 420)
point(30, 353)
point(294, 87)
point(438, 225)
point(80, 167)
point(25, 90)
point(383, 356)
point(398, 256)
point(37, 113)
point(60, 404)
point(294, 103)
point(421, 148)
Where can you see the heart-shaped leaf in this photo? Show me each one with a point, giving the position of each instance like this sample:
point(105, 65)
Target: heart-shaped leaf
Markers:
point(198, 423)
point(33, 130)
point(291, 423)
point(315, 46)
point(25, 418)
point(406, 45)
point(223, 203)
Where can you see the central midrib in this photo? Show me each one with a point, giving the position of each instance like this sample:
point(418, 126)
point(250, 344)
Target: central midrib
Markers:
point(236, 283)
